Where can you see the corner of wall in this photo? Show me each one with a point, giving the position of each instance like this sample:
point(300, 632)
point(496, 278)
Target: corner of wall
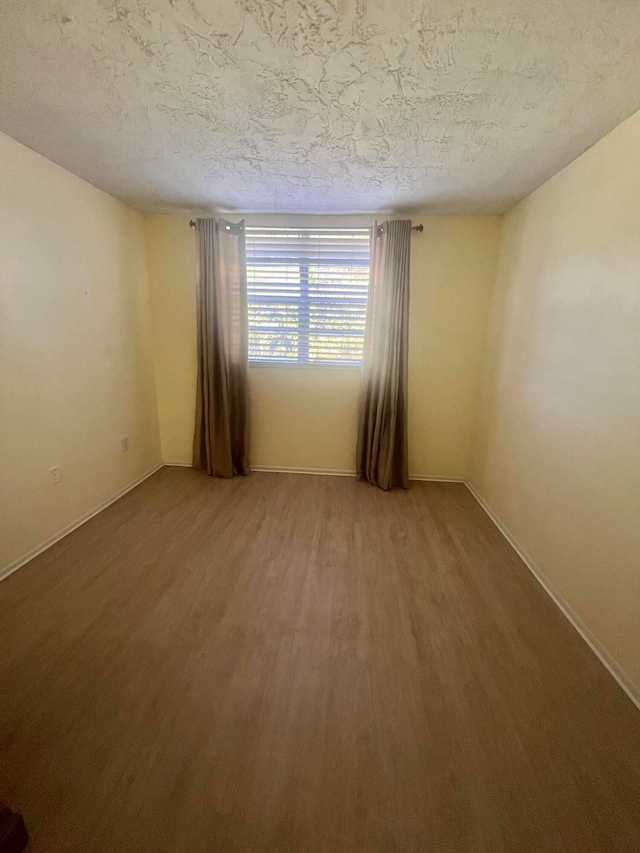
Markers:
point(480, 389)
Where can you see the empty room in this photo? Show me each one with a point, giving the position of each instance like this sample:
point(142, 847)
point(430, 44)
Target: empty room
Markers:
point(319, 426)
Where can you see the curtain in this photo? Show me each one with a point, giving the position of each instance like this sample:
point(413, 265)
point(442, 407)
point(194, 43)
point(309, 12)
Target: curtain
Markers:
point(221, 438)
point(382, 411)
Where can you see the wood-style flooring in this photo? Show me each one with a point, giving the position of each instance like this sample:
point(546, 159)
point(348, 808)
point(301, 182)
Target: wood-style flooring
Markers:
point(304, 665)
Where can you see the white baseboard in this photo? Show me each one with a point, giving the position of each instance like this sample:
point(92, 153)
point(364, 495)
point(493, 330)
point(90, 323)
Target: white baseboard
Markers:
point(631, 689)
point(327, 472)
point(17, 564)
point(344, 472)
point(427, 478)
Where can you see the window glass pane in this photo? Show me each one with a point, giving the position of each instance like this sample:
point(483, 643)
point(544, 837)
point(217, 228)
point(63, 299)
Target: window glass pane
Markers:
point(307, 291)
point(276, 315)
point(346, 317)
point(270, 346)
point(327, 348)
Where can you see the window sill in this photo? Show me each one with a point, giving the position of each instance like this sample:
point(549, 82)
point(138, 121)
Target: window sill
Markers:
point(305, 365)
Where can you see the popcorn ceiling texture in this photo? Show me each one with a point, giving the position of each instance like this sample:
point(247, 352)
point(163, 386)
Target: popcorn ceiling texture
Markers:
point(323, 106)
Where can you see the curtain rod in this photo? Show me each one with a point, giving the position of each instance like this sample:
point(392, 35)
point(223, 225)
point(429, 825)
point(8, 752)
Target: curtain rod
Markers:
point(419, 228)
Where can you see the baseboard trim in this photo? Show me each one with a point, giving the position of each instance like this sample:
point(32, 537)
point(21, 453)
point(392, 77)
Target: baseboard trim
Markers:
point(429, 479)
point(26, 558)
point(631, 689)
point(324, 472)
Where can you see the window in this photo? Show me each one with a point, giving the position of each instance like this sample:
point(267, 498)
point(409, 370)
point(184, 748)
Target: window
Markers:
point(307, 290)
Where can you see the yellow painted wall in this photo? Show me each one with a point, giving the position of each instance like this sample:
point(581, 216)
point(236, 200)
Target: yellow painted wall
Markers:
point(557, 449)
point(306, 417)
point(76, 371)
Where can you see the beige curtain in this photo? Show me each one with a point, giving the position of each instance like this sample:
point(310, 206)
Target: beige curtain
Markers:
point(221, 439)
point(382, 412)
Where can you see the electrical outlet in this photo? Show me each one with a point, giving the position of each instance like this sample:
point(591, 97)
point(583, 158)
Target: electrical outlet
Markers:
point(54, 474)
point(124, 444)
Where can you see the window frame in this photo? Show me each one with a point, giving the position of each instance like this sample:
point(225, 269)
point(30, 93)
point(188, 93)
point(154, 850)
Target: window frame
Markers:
point(303, 330)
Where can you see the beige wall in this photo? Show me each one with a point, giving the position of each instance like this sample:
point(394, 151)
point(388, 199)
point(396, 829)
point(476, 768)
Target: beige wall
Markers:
point(76, 372)
point(557, 450)
point(306, 417)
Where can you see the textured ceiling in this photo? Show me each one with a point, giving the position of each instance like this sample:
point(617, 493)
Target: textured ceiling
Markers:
point(317, 105)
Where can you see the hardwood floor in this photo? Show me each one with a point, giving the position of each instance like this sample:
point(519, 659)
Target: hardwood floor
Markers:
point(295, 663)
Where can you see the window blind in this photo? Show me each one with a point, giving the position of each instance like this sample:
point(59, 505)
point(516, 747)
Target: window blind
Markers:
point(307, 294)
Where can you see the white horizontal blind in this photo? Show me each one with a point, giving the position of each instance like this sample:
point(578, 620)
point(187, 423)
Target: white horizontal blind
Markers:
point(307, 290)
